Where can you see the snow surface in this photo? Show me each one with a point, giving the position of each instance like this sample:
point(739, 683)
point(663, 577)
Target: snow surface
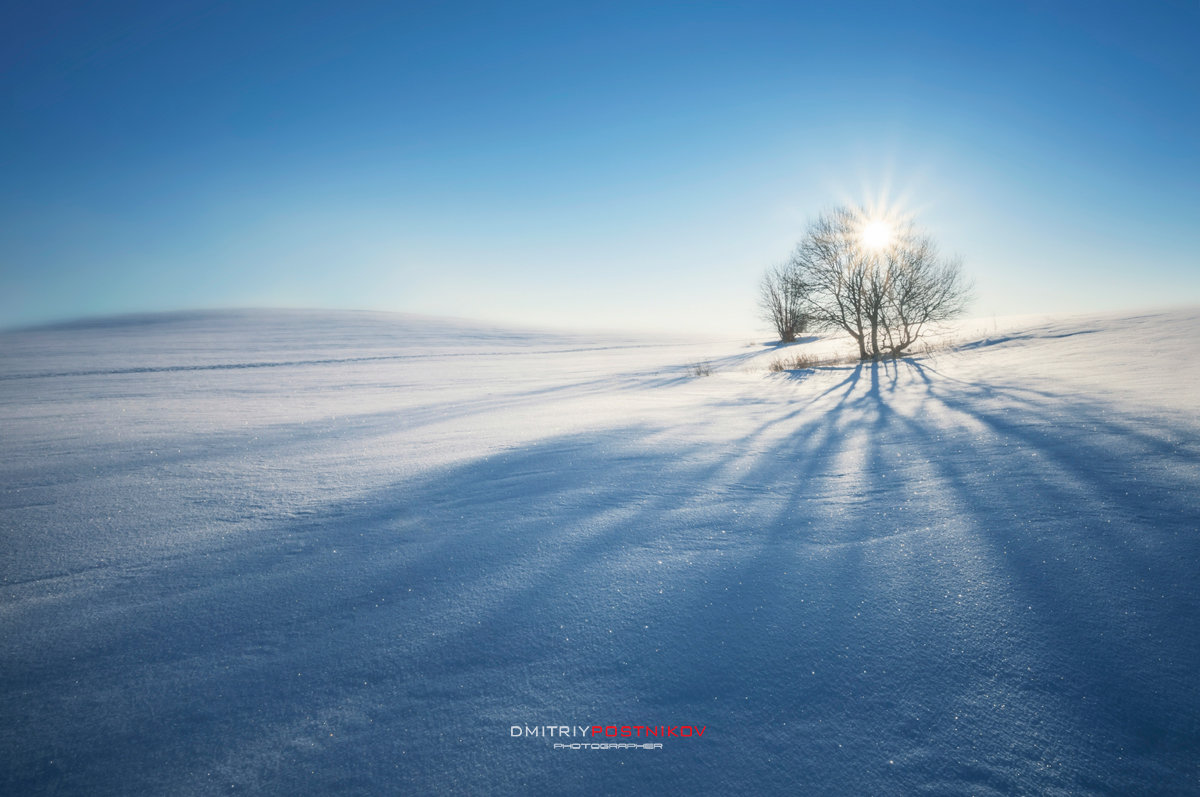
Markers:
point(316, 553)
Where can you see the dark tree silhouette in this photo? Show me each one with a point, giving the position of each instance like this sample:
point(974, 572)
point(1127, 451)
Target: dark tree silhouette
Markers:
point(884, 294)
point(781, 299)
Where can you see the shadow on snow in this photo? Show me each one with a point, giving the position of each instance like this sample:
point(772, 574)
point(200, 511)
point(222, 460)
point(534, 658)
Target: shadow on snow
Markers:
point(903, 579)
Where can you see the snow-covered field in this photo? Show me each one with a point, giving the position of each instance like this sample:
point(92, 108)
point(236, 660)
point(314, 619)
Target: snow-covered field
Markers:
point(317, 553)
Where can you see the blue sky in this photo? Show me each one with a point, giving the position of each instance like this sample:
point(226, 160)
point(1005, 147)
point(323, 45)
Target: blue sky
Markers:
point(580, 164)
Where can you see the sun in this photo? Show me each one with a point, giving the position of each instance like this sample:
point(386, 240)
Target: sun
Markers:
point(876, 234)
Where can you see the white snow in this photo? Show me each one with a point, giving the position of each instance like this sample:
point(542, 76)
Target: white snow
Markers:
point(314, 553)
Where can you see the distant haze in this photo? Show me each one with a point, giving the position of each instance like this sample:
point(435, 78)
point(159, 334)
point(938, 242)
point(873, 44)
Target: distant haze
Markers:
point(585, 165)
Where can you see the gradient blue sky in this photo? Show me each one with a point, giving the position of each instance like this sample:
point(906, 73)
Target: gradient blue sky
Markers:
point(585, 164)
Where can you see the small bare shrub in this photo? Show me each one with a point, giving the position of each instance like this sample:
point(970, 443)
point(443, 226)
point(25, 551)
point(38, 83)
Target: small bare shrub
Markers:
point(796, 362)
point(700, 369)
point(930, 347)
point(804, 361)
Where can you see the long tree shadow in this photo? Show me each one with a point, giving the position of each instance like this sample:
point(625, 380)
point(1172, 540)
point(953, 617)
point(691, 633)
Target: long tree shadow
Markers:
point(1093, 515)
point(899, 579)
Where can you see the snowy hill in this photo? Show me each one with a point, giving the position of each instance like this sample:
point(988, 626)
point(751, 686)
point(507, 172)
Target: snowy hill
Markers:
point(314, 553)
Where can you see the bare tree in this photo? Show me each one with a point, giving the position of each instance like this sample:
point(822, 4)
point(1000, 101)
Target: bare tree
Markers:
point(839, 275)
point(781, 298)
point(884, 294)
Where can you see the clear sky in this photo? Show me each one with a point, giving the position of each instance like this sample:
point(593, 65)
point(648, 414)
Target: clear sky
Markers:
point(585, 164)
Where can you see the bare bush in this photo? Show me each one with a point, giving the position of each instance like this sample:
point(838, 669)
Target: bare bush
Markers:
point(781, 300)
point(930, 347)
point(803, 362)
point(796, 362)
